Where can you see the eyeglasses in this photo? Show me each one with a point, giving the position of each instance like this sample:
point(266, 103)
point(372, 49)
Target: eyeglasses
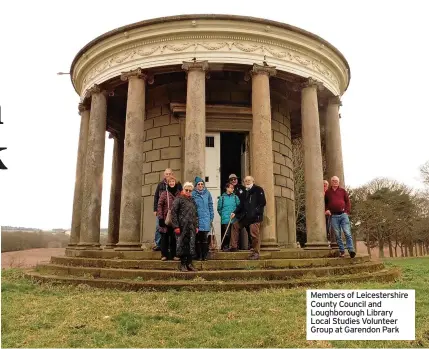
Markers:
point(188, 190)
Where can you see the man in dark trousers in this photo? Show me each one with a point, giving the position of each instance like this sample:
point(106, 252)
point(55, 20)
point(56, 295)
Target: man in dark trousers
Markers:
point(250, 214)
point(337, 205)
point(162, 186)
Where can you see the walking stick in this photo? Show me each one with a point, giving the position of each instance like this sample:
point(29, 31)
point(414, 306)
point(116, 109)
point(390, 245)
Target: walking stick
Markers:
point(329, 229)
point(226, 232)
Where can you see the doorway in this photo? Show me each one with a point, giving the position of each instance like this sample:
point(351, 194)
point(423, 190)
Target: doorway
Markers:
point(226, 153)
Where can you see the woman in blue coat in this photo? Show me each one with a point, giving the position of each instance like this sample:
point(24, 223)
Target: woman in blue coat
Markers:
point(226, 205)
point(204, 202)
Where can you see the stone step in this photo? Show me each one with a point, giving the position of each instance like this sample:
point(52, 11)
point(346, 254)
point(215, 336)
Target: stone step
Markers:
point(145, 255)
point(208, 265)
point(211, 275)
point(385, 275)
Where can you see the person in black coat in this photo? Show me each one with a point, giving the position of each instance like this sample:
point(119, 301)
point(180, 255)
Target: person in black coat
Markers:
point(250, 214)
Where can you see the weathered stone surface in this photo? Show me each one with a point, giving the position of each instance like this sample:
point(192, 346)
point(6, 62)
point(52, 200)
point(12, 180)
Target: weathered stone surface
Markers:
point(289, 162)
point(284, 171)
point(153, 188)
point(279, 158)
point(262, 165)
point(280, 180)
point(275, 125)
point(166, 110)
point(130, 221)
point(278, 137)
point(282, 226)
point(240, 96)
point(290, 183)
point(94, 164)
point(147, 167)
point(276, 146)
point(171, 153)
point(153, 133)
point(286, 192)
point(151, 178)
point(291, 221)
point(159, 143)
point(149, 220)
point(278, 116)
point(176, 164)
point(170, 130)
point(80, 176)
point(162, 120)
point(284, 130)
point(277, 190)
point(284, 150)
point(276, 169)
point(195, 120)
point(147, 146)
point(153, 155)
point(160, 165)
point(175, 141)
point(148, 124)
point(315, 218)
point(153, 112)
point(146, 190)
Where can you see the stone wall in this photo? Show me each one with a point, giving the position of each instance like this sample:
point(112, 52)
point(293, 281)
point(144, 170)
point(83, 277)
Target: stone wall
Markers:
point(162, 149)
point(283, 174)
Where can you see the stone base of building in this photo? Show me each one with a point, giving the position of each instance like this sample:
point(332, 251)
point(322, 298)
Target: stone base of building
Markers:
point(128, 246)
point(269, 246)
point(317, 246)
point(88, 246)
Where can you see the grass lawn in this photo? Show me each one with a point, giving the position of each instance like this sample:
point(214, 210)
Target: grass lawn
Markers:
point(78, 316)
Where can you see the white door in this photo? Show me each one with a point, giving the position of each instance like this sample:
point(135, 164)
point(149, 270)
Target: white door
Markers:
point(212, 175)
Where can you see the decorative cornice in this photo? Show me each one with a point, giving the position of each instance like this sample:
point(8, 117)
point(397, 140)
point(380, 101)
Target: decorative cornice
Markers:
point(263, 69)
point(139, 74)
point(195, 65)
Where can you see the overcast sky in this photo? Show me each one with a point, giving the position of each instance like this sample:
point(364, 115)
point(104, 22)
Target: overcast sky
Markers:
point(384, 125)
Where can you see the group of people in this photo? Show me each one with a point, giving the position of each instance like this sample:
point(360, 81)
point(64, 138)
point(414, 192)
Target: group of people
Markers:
point(185, 217)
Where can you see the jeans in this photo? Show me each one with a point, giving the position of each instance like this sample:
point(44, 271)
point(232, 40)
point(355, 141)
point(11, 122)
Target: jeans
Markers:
point(157, 234)
point(342, 222)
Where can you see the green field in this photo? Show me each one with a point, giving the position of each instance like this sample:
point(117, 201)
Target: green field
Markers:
point(68, 316)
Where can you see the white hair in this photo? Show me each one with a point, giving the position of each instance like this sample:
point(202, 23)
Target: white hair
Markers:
point(249, 177)
point(335, 178)
point(188, 184)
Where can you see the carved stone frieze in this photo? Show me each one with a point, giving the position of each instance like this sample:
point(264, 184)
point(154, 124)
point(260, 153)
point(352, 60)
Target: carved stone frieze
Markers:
point(144, 50)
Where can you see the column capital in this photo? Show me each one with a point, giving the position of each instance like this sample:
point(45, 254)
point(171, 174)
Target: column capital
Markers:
point(139, 74)
point(82, 107)
point(263, 69)
point(310, 82)
point(335, 100)
point(95, 89)
point(195, 65)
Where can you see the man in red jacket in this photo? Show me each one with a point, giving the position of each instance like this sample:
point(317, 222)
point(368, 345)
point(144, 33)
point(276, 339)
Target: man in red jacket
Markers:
point(337, 205)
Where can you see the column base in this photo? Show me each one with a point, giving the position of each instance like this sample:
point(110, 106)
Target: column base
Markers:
point(71, 246)
point(292, 246)
point(317, 246)
point(110, 246)
point(334, 246)
point(128, 246)
point(88, 246)
point(269, 246)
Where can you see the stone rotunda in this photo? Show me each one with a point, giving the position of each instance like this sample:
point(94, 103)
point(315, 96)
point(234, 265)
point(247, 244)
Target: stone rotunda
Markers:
point(205, 95)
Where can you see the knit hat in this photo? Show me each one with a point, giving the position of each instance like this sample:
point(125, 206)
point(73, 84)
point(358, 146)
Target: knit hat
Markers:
point(198, 180)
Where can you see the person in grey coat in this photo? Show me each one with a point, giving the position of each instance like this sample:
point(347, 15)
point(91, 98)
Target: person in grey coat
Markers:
point(184, 218)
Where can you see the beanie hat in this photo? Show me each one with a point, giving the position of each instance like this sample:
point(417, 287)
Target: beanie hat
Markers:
point(198, 180)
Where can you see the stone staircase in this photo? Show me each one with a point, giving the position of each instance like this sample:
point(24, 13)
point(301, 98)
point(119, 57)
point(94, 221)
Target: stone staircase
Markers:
point(143, 270)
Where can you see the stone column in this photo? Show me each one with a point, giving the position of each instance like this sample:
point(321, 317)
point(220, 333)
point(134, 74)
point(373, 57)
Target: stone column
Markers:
point(313, 170)
point(80, 176)
point(262, 144)
point(94, 162)
point(195, 130)
point(131, 200)
point(115, 191)
point(334, 153)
